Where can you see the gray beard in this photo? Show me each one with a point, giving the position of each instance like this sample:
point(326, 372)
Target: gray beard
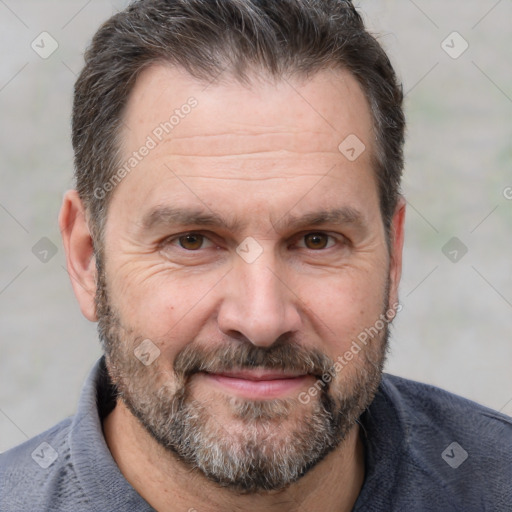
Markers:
point(276, 442)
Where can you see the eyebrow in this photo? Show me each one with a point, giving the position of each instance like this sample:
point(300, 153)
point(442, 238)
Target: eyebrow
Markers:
point(169, 216)
point(338, 216)
point(185, 216)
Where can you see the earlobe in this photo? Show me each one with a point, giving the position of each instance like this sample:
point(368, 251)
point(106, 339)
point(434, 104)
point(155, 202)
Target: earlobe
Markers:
point(396, 248)
point(80, 258)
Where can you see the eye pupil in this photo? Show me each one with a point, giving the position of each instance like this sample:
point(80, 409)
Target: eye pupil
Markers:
point(316, 241)
point(191, 242)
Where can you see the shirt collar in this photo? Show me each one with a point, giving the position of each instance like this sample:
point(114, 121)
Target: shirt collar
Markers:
point(96, 469)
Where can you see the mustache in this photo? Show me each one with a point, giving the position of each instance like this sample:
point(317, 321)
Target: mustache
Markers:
point(282, 355)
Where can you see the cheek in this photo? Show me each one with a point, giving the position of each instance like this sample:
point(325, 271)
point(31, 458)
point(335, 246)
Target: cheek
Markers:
point(352, 331)
point(342, 307)
point(165, 306)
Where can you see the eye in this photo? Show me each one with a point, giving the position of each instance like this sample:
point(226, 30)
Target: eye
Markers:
point(190, 248)
point(318, 241)
point(191, 241)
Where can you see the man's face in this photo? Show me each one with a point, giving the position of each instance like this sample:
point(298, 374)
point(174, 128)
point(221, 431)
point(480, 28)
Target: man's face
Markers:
point(243, 255)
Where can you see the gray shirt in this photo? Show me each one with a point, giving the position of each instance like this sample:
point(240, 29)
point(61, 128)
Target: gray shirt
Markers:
point(425, 450)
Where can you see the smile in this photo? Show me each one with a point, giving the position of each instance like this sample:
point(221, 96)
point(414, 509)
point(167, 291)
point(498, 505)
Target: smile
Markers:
point(258, 384)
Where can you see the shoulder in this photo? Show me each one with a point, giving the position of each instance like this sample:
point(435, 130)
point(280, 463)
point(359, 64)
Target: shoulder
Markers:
point(423, 404)
point(449, 451)
point(36, 452)
point(38, 472)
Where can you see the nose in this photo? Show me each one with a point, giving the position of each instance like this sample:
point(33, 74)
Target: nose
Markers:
point(258, 305)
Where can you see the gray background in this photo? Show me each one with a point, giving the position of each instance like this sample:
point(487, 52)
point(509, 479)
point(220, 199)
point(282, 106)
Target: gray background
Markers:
point(454, 330)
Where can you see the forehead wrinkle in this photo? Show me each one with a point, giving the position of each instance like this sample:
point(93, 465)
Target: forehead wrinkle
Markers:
point(257, 148)
point(248, 178)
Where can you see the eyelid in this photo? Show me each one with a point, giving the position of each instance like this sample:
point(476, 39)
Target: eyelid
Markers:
point(209, 238)
point(337, 237)
point(173, 239)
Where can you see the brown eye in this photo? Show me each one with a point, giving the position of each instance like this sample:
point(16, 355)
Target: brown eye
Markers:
point(191, 242)
point(316, 241)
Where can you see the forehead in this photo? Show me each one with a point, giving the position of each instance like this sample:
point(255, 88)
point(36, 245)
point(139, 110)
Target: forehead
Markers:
point(320, 110)
point(185, 139)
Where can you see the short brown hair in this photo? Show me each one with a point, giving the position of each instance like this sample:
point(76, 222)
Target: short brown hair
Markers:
point(206, 37)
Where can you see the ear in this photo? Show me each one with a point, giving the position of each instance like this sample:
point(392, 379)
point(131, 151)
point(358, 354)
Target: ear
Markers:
point(396, 247)
point(80, 259)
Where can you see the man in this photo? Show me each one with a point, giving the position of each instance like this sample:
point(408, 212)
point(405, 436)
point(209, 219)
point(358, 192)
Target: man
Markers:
point(236, 231)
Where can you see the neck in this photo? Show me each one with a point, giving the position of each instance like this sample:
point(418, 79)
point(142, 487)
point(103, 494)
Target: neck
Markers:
point(167, 484)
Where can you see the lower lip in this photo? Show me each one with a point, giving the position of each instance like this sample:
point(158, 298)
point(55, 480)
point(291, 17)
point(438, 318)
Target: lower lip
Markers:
point(259, 389)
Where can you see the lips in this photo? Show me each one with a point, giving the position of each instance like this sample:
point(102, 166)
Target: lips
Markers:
point(257, 384)
point(259, 375)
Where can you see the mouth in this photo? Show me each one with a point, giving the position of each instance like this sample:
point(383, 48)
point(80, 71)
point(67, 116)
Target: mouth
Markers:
point(258, 384)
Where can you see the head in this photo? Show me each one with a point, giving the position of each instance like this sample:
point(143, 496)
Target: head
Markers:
point(238, 207)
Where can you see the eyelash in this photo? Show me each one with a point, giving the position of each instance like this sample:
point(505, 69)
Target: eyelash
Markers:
point(332, 239)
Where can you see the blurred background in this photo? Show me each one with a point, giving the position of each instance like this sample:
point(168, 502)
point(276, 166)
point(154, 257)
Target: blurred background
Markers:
point(455, 60)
